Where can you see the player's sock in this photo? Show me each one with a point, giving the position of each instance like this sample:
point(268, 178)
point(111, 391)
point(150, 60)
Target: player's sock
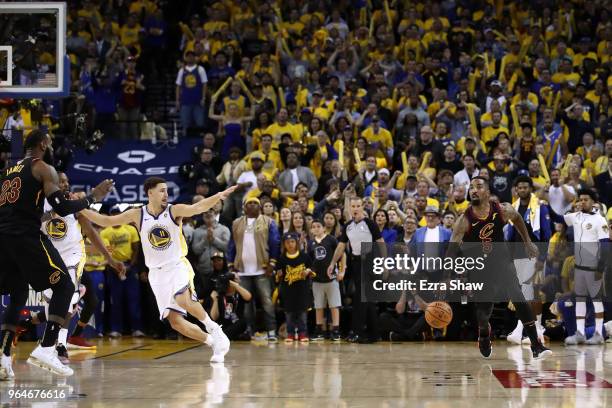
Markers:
point(6, 339)
point(532, 333)
point(599, 325)
point(580, 316)
point(62, 336)
point(519, 326)
point(539, 319)
point(209, 340)
point(599, 310)
point(50, 335)
point(209, 324)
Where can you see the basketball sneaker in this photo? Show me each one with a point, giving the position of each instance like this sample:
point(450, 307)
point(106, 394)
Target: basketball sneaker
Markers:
point(577, 338)
point(220, 339)
point(595, 340)
point(79, 343)
point(114, 335)
point(318, 336)
point(335, 336)
point(62, 354)
point(516, 337)
point(484, 345)
point(540, 352)
point(272, 337)
point(303, 338)
point(6, 368)
point(46, 358)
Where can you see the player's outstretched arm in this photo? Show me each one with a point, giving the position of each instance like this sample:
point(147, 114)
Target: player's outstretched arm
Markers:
point(97, 242)
point(127, 217)
point(61, 205)
point(510, 214)
point(184, 210)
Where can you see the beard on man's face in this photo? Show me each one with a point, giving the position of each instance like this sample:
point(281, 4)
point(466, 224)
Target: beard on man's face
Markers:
point(48, 157)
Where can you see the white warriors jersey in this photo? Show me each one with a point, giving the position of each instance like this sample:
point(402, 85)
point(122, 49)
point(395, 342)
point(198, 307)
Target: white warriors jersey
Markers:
point(65, 235)
point(162, 238)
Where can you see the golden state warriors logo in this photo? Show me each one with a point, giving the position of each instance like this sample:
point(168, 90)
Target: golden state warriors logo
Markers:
point(159, 237)
point(57, 229)
point(190, 81)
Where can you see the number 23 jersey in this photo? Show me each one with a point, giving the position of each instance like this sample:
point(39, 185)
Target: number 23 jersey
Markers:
point(21, 199)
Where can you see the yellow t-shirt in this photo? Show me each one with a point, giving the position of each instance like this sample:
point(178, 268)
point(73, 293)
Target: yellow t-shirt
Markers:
point(129, 35)
point(120, 240)
point(95, 261)
point(276, 130)
point(566, 271)
point(383, 136)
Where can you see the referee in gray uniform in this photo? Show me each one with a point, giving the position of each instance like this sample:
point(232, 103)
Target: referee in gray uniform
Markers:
point(360, 230)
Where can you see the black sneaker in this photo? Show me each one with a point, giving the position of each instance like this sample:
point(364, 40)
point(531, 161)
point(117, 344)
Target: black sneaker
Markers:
point(335, 336)
point(395, 336)
point(540, 352)
point(484, 344)
point(318, 336)
point(364, 340)
point(62, 354)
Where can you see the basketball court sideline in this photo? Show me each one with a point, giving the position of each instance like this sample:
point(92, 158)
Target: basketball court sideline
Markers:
point(145, 372)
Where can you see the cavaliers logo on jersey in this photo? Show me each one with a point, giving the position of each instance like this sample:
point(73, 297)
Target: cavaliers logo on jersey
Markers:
point(159, 237)
point(57, 229)
point(485, 237)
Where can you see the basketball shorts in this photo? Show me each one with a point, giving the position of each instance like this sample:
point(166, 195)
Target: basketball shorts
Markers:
point(171, 280)
point(525, 271)
point(586, 284)
point(326, 294)
point(31, 258)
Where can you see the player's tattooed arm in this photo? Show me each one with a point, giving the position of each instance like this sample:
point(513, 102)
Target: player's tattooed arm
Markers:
point(510, 214)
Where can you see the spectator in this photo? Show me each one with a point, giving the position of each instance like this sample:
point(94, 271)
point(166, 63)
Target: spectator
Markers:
point(191, 89)
point(209, 238)
point(253, 253)
point(293, 272)
point(228, 299)
point(130, 100)
point(294, 174)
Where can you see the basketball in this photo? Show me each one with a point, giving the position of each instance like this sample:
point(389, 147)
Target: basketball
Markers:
point(438, 314)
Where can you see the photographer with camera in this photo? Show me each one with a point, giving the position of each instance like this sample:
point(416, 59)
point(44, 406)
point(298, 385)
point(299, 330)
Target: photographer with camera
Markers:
point(228, 299)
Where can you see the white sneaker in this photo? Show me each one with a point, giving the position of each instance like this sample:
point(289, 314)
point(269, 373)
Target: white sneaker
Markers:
point(595, 340)
point(6, 368)
point(515, 337)
point(221, 339)
point(577, 338)
point(220, 346)
point(46, 358)
point(608, 327)
point(526, 340)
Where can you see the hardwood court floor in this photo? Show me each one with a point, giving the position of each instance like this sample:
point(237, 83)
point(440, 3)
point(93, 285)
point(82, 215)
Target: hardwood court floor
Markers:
point(150, 373)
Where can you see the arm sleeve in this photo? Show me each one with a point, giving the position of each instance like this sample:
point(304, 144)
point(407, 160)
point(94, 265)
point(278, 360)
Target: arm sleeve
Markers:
point(64, 207)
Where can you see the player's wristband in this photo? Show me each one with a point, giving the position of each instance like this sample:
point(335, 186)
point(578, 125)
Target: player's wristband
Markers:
point(91, 199)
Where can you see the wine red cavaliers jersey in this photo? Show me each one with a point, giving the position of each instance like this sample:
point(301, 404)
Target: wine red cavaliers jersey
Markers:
point(487, 230)
point(21, 199)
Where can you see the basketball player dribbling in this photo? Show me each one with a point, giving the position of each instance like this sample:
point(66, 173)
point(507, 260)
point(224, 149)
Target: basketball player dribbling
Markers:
point(164, 249)
point(483, 222)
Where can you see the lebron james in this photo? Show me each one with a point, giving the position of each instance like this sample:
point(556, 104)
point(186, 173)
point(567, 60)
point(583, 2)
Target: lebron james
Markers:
point(483, 223)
